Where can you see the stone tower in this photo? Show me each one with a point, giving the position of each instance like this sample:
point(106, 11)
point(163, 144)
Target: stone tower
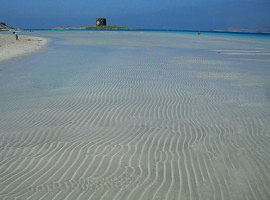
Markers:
point(101, 22)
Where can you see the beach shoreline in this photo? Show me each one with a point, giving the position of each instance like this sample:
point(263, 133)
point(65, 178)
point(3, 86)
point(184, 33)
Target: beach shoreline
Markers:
point(10, 48)
point(137, 116)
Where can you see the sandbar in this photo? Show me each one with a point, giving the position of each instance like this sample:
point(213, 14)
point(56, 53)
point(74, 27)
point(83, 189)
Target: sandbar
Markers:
point(10, 48)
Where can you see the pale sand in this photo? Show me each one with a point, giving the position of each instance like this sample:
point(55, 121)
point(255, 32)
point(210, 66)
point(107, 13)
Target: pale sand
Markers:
point(105, 116)
point(10, 48)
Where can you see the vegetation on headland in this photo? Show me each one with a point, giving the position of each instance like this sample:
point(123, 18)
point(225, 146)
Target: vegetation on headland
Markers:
point(106, 28)
point(4, 26)
point(97, 28)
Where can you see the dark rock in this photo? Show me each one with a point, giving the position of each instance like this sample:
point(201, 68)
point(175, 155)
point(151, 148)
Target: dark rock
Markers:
point(101, 22)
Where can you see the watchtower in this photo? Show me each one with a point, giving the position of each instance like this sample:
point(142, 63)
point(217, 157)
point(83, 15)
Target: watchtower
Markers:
point(101, 22)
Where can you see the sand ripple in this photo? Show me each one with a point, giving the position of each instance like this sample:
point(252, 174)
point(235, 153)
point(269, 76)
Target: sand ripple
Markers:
point(144, 126)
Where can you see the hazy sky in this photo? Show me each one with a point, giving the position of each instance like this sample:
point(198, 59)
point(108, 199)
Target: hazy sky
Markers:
point(164, 14)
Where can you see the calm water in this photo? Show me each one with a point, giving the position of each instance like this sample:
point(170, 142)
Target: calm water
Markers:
point(137, 115)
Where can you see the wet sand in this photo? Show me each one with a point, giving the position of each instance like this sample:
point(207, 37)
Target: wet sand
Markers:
point(137, 116)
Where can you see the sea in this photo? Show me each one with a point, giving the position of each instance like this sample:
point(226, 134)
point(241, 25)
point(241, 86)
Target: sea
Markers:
point(143, 115)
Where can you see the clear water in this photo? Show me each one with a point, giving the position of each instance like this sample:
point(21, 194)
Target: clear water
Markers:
point(137, 115)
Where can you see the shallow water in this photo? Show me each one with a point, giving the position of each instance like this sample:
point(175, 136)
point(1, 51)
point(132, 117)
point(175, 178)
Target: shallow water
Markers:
point(136, 115)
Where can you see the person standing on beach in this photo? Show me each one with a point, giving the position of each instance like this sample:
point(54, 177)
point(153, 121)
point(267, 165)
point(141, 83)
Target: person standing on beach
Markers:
point(16, 36)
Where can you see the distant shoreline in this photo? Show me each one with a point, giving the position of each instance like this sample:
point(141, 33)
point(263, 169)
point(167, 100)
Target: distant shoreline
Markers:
point(10, 48)
point(98, 28)
point(146, 30)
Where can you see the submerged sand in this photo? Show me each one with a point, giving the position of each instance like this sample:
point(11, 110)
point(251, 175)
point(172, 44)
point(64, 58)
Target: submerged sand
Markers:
point(136, 116)
point(10, 47)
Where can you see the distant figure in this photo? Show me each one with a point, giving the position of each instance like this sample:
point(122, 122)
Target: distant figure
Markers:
point(199, 33)
point(16, 36)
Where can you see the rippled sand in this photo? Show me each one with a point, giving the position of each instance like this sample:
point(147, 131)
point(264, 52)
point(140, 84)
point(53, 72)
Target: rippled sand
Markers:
point(126, 115)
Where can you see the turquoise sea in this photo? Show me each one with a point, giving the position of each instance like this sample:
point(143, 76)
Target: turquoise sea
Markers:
point(160, 115)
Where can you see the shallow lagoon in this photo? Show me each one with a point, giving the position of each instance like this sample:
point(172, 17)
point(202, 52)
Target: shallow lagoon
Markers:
point(137, 115)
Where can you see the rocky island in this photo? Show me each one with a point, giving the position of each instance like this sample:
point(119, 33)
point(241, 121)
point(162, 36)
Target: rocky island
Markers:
point(96, 28)
point(114, 28)
point(101, 25)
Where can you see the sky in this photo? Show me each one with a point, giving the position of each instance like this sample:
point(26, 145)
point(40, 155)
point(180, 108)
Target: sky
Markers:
point(151, 14)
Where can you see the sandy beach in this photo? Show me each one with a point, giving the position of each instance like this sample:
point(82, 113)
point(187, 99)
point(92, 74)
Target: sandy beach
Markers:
point(137, 116)
point(10, 48)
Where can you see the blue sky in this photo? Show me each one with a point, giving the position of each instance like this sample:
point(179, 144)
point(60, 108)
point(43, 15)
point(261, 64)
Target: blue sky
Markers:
point(163, 14)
